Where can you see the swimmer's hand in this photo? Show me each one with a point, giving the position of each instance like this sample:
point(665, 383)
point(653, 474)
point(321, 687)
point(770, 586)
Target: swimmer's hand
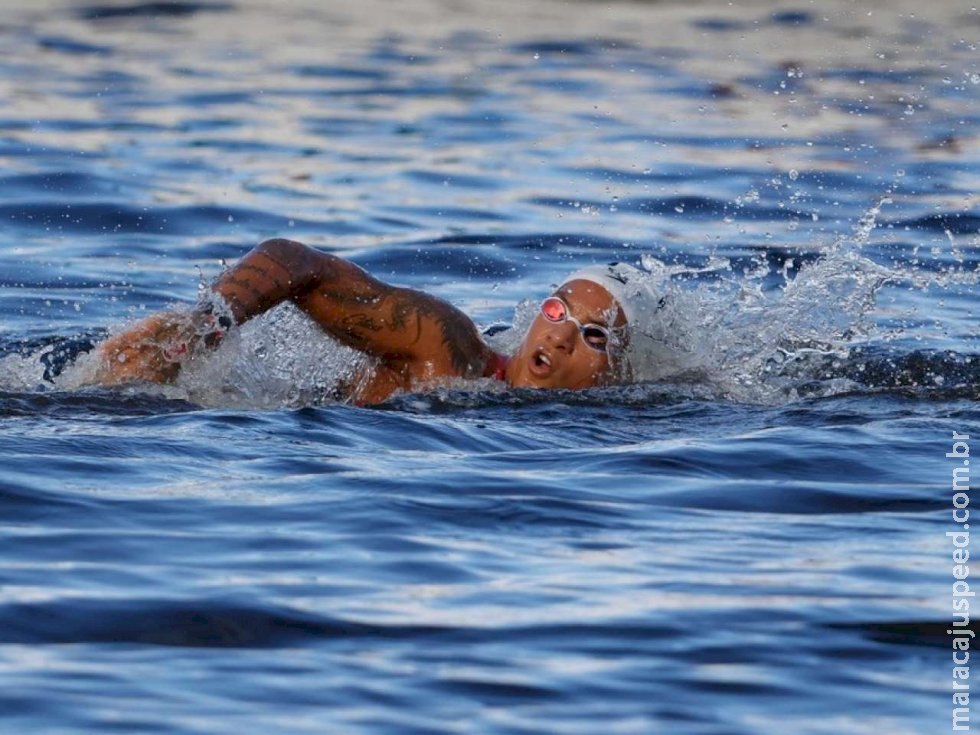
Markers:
point(155, 348)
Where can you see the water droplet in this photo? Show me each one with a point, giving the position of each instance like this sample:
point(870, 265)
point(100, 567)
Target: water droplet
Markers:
point(794, 174)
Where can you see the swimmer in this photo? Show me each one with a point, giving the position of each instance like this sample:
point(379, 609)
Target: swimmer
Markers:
point(580, 338)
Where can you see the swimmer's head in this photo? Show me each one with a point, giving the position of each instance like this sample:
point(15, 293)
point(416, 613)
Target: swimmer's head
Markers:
point(581, 337)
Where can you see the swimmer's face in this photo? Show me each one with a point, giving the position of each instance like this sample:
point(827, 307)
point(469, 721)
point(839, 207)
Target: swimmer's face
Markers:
point(555, 354)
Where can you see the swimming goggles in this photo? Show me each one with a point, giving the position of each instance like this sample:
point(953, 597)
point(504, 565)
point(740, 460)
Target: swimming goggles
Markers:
point(595, 336)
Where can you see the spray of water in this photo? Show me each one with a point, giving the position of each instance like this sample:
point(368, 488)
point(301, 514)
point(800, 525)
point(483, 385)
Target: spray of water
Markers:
point(726, 330)
point(281, 359)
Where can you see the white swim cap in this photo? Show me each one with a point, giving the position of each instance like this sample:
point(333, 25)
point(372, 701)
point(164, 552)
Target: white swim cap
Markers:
point(630, 286)
point(636, 292)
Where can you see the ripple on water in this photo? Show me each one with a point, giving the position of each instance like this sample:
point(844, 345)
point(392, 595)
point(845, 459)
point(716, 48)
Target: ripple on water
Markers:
point(696, 553)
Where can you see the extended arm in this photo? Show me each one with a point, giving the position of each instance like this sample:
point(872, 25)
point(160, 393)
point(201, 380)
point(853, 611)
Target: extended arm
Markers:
point(406, 329)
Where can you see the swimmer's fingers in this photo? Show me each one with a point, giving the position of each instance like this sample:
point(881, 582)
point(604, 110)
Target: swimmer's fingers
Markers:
point(151, 351)
point(126, 363)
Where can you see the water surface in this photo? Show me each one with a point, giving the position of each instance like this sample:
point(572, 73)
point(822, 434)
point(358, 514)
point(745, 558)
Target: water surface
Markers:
point(749, 541)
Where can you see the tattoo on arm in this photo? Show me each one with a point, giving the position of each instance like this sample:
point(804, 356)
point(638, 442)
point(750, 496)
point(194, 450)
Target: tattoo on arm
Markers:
point(356, 322)
point(463, 345)
point(406, 316)
point(275, 271)
point(262, 274)
point(458, 336)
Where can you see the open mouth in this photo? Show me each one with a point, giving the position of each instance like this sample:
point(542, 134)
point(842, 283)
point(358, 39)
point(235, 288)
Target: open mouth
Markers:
point(541, 363)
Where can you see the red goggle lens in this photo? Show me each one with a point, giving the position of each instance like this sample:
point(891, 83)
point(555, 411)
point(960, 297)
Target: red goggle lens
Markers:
point(553, 310)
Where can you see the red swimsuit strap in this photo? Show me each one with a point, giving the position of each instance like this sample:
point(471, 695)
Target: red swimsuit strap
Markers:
point(496, 367)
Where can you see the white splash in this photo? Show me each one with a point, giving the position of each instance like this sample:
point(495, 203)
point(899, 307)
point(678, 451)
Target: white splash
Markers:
point(753, 343)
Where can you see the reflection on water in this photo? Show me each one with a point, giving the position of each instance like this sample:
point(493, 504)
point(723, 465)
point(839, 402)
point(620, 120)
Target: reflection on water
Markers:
point(745, 543)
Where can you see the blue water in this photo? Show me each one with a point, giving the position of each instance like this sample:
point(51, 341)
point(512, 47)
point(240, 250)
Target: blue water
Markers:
point(748, 542)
